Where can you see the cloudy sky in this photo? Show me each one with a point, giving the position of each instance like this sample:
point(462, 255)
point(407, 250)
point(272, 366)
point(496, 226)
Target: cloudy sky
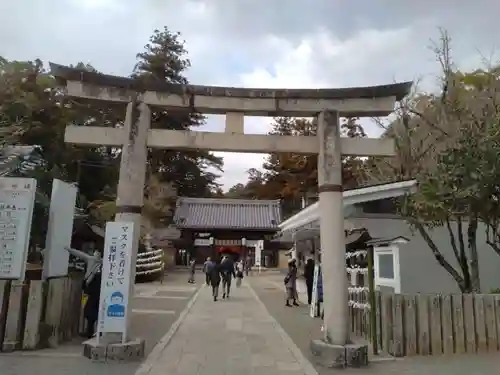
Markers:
point(258, 43)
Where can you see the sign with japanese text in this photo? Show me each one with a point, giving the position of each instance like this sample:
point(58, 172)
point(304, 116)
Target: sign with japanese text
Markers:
point(317, 292)
point(17, 198)
point(258, 252)
point(60, 229)
point(115, 284)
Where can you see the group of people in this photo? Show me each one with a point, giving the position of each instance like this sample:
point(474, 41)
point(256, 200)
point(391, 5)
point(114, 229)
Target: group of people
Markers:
point(291, 282)
point(223, 271)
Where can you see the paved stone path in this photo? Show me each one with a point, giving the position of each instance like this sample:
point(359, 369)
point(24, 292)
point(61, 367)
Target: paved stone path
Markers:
point(302, 328)
point(156, 307)
point(227, 337)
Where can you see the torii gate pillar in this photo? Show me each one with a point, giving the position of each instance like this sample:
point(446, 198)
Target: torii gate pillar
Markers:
point(335, 350)
point(129, 202)
point(332, 229)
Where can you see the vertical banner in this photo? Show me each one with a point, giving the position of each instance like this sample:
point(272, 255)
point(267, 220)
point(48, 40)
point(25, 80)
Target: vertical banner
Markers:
point(60, 229)
point(258, 253)
point(314, 299)
point(116, 274)
point(17, 200)
point(317, 292)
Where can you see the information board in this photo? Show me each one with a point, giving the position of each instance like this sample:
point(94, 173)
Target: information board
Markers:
point(60, 229)
point(116, 274)
point(17, 198)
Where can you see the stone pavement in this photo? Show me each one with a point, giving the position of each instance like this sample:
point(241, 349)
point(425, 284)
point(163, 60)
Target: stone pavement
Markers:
point(156, 308)
point(301, 328)
point(233, 336)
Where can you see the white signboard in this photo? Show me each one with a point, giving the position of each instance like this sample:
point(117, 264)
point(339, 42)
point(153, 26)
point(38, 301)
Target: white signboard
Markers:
point(202, 242)
point(17, 199)
point(313, 309)
point(60, 229)
point(115, 285)
point(258, 253)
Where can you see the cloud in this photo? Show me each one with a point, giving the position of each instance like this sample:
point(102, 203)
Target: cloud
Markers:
point(292, 44)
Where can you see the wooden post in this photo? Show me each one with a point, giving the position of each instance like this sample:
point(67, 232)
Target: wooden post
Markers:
point(53, 311)
point(33, 315)
point(13, 334)
point(4, 303)
point(372, 301)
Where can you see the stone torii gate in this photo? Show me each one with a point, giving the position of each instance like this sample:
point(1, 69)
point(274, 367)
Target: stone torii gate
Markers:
point(326, 105)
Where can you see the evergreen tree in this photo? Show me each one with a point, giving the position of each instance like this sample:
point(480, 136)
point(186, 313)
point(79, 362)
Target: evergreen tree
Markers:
point(164, 59)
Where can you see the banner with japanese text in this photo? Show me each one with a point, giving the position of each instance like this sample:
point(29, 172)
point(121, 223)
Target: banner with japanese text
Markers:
point(116, 274)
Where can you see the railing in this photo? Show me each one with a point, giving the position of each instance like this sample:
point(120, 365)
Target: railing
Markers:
point(37, 314)
point(409, 325)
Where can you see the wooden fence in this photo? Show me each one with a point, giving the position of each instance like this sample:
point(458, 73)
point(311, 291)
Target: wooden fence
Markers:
point(409, 325)
point(37, 314)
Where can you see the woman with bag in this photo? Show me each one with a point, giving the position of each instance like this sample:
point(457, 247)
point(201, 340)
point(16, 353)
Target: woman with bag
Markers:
point(291, 284)
point(239, 273)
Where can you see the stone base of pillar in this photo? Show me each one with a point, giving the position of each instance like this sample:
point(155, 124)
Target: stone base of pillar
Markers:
point(10, 346)
point(129, 351)
point(339, 356)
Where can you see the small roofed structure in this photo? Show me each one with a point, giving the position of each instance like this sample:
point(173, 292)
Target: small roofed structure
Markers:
point(211, 226)
point(303, 228)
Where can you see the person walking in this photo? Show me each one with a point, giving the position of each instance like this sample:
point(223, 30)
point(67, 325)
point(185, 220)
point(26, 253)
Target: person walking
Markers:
point(248, 265)
point(291, 284)
point(207, 268)
point(309, 277)
point(227, 273)
point(215, 278)
point(92, 288)
point(192, 270)
point(239, 273)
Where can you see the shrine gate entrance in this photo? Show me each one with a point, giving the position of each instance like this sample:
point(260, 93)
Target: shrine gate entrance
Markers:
point(325, 105)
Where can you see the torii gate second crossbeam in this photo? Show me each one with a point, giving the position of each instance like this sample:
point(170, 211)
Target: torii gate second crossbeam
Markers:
point(326, 105)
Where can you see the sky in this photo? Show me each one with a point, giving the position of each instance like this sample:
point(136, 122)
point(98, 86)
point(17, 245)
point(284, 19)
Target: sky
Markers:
point(259, 43)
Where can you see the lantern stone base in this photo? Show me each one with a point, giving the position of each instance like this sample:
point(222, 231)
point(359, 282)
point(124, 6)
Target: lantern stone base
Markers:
point(339, 356)
point(128, 351)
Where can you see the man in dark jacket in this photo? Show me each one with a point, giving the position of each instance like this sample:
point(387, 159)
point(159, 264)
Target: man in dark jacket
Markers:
point(309, 276)
point(228, 272)
point(215, 277)
point(91, 310)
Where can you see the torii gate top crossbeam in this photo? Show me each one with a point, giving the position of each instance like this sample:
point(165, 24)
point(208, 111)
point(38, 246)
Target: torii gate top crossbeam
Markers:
point(349, 102)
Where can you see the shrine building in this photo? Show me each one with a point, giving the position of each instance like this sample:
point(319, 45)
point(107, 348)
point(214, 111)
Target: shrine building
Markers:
point(211, 227)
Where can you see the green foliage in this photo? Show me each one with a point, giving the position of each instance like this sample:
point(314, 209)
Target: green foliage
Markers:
point(294, 177)
point(35, 111)
point(164, 59)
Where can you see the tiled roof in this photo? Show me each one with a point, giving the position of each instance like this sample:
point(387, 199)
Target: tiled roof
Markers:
point(220, 213)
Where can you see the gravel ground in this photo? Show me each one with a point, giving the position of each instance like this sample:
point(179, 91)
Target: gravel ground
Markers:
point(301, 329)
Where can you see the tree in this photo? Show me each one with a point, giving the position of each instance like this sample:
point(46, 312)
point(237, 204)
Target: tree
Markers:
point(450, 143)
point(164, 59)
point(34, 112)
point(294, 177)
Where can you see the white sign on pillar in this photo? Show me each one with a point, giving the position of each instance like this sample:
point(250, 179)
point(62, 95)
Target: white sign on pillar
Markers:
point(259, 246)
point(115, 284)
point(60, 229)
point(313, 308)
point(17, 199)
